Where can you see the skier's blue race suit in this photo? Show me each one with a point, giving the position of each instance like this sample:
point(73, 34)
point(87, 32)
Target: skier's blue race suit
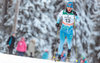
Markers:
point(66, 28)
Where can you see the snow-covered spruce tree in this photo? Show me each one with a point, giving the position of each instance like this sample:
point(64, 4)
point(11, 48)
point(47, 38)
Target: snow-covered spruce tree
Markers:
point(89, 14)
point(4, 30)
point(38, 23)
point(35, 21)
point(97, 33)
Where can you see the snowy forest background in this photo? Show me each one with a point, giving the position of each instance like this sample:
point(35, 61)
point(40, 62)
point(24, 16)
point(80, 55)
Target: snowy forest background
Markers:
point(37, 19)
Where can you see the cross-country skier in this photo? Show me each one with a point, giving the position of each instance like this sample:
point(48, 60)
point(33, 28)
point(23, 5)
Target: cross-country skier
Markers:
point(68, 16)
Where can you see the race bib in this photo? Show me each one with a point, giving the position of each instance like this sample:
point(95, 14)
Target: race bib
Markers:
point(68, 19)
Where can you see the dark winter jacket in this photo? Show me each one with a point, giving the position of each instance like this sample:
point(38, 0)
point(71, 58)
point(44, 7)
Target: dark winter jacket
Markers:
point(11, 41)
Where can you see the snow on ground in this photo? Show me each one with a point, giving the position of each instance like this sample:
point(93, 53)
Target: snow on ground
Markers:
point(5, 58)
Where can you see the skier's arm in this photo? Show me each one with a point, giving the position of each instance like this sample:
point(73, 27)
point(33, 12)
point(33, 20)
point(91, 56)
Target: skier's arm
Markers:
point(76, 16)
point(59, 17)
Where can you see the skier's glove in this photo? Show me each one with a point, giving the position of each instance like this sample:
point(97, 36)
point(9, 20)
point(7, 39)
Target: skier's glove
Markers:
point(57, 25)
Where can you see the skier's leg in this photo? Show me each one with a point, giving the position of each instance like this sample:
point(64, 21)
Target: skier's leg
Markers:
point(62, 39)
point(70, 37)
point(60, 48)
point(69, 40)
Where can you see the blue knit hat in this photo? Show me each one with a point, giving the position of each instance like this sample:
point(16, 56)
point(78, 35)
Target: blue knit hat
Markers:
point(69, 4)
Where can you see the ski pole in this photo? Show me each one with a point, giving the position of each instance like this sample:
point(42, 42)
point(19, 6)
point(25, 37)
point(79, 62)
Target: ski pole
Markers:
point(54, 57)
point(75, 39)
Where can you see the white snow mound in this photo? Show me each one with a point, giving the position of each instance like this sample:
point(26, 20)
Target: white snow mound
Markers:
point(5, 58)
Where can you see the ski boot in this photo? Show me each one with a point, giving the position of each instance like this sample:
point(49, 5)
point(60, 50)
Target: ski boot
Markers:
point(69, 54)
point(59, 57)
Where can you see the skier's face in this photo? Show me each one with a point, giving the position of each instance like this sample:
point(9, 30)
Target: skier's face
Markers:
point(69, 9)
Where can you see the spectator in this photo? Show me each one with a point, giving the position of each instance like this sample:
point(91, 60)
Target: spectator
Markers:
point(31, 48)
point(21, 47)
point(45, 55)
point(10, 43)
